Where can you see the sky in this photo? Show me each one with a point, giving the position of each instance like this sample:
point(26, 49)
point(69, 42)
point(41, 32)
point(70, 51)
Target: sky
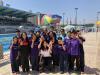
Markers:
point(87, 9)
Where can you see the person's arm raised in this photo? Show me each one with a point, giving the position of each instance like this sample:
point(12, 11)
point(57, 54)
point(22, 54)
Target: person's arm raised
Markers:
point(63, 46)
point(39, 46)
point(32, 45)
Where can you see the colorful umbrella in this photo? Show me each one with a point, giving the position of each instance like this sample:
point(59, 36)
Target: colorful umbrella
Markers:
point(98, 23)
point(46, 20)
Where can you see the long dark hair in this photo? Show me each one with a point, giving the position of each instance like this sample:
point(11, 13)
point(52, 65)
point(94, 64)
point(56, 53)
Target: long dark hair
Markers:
point(42, 46)
point(35, 36)
point(54, 36)
point(16, 38)
point(26, 37)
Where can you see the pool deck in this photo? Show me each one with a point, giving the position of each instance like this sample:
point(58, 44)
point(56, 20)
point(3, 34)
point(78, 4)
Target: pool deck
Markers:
point(92, 58)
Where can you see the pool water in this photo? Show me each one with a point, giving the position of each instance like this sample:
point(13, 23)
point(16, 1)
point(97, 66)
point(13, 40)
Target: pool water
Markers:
point(5, 41)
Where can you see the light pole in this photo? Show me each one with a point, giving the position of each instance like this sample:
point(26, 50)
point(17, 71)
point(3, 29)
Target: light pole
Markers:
point(76, 17)
point(97, 36)
point(97, 19)
point(84, 24)
point(63, 18)
point(67, 21)
point(98, 15)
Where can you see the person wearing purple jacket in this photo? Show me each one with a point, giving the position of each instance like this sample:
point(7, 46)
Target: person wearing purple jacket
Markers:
point(55, 54)
point(14, 55)
point(34, 55)
point(74, 51)
point(62, 54)
point(67, 42)
point(82, 58)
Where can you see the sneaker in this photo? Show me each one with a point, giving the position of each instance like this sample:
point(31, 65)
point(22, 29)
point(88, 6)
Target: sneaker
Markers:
point(82, 72)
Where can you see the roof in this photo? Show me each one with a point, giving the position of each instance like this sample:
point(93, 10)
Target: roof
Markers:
point(7, 11)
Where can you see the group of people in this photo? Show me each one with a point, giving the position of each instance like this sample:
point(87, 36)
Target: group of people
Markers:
point(45, 50)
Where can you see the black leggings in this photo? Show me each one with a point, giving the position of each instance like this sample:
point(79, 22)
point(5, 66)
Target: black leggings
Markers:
point(77, 58)
point(82, 62)
point(35, 63)
point(14, 66)
point(55, 59)
point(47, 62)
point(25, 64)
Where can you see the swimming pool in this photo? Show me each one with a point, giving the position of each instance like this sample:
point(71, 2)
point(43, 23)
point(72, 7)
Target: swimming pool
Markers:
point(5, 41)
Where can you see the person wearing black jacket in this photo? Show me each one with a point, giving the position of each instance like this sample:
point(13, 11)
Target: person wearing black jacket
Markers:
point(24, 50)
point(82, 59)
